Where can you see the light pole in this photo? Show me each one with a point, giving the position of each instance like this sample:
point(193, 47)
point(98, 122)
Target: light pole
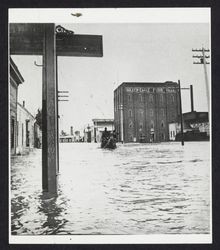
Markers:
point(122, 123)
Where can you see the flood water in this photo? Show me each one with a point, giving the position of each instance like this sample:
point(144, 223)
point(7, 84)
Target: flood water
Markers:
point(135, 189)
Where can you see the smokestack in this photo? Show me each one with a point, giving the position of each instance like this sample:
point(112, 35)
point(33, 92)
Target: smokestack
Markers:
point(191, 96)
point(23, 103)
point(71, 130)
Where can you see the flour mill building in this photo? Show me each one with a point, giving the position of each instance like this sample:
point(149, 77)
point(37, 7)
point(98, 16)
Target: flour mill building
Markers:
point(143, 110)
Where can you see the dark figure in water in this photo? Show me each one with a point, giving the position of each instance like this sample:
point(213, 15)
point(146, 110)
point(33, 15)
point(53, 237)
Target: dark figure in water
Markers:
point(105, 133)
point(108, 140)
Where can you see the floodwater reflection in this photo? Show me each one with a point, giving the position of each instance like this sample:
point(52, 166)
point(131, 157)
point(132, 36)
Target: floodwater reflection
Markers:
point(53, 212)
point(134, 189)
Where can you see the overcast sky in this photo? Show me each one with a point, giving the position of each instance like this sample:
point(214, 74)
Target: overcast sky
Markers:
point(132, 52)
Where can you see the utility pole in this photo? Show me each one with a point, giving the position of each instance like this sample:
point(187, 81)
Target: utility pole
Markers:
point(181, 114)
point(122, 124)
point(180, 107)
point(57, 120)
point(203, 61)
point(191, 98)
point(60, 94)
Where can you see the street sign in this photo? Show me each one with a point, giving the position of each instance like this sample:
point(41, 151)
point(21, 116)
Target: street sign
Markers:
point(27, 39)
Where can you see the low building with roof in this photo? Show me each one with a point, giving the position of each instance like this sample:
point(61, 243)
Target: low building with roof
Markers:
point(15, 80)
point(195, 127)
point(99, 126)
point(29, 134)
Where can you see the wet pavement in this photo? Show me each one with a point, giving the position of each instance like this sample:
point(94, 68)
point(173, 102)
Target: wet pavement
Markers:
point(135, 189)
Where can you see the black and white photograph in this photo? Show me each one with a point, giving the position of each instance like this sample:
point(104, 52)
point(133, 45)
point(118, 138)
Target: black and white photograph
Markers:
point(110, 125)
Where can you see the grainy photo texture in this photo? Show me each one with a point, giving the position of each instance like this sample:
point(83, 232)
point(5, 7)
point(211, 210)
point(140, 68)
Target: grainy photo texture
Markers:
point(109, 127)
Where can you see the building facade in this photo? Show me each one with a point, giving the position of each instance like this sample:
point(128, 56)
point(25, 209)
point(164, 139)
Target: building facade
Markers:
point(195, 126)
point(143, 111)
point(87, 134)
point(99, 126)
point(15, 79)
point(27, 130)
point(66, 138)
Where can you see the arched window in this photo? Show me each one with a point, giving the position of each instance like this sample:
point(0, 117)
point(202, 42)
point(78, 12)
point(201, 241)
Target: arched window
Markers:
point(162, 124)
point(130, 113)
point(129, 98)
point(172, 98)
point(141, 97)
point(161, 98)
point(173, 117)
point(130, 124)
point(151, 98)
point(151, 124)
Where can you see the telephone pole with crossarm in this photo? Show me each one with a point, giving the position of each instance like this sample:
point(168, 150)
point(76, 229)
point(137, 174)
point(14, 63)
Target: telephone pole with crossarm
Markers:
point(203, 61)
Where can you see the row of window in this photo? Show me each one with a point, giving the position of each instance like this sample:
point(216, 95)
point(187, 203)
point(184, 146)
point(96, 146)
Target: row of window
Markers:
point(151, 112)
point(162, 124)
point(151, 98)
point(150, 138)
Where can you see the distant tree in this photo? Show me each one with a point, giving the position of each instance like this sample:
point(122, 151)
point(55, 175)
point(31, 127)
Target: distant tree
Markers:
point(38, 118)
point(63, 133)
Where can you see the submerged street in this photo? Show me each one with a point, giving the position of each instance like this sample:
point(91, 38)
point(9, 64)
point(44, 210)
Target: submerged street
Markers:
point(135, 189)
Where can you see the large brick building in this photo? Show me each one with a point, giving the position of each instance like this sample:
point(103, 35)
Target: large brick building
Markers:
point(142, 111)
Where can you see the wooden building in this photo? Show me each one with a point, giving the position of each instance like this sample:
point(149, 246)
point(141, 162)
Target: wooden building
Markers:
point(15, 79)
point(29, 134)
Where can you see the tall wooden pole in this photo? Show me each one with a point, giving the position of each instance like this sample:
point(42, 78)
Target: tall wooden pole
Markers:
point(122, 124)
point(206, 78)
point(49, 113)
point(57, 118)
point(181, 114)
point(204, 62)
point(44, 124)
point(191, 98)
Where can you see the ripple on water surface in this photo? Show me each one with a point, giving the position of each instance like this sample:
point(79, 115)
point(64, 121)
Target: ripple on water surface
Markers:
point(134, 189)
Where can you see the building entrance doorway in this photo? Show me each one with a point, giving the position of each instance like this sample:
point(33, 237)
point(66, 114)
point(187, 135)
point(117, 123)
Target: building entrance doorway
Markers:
point(152, 137)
